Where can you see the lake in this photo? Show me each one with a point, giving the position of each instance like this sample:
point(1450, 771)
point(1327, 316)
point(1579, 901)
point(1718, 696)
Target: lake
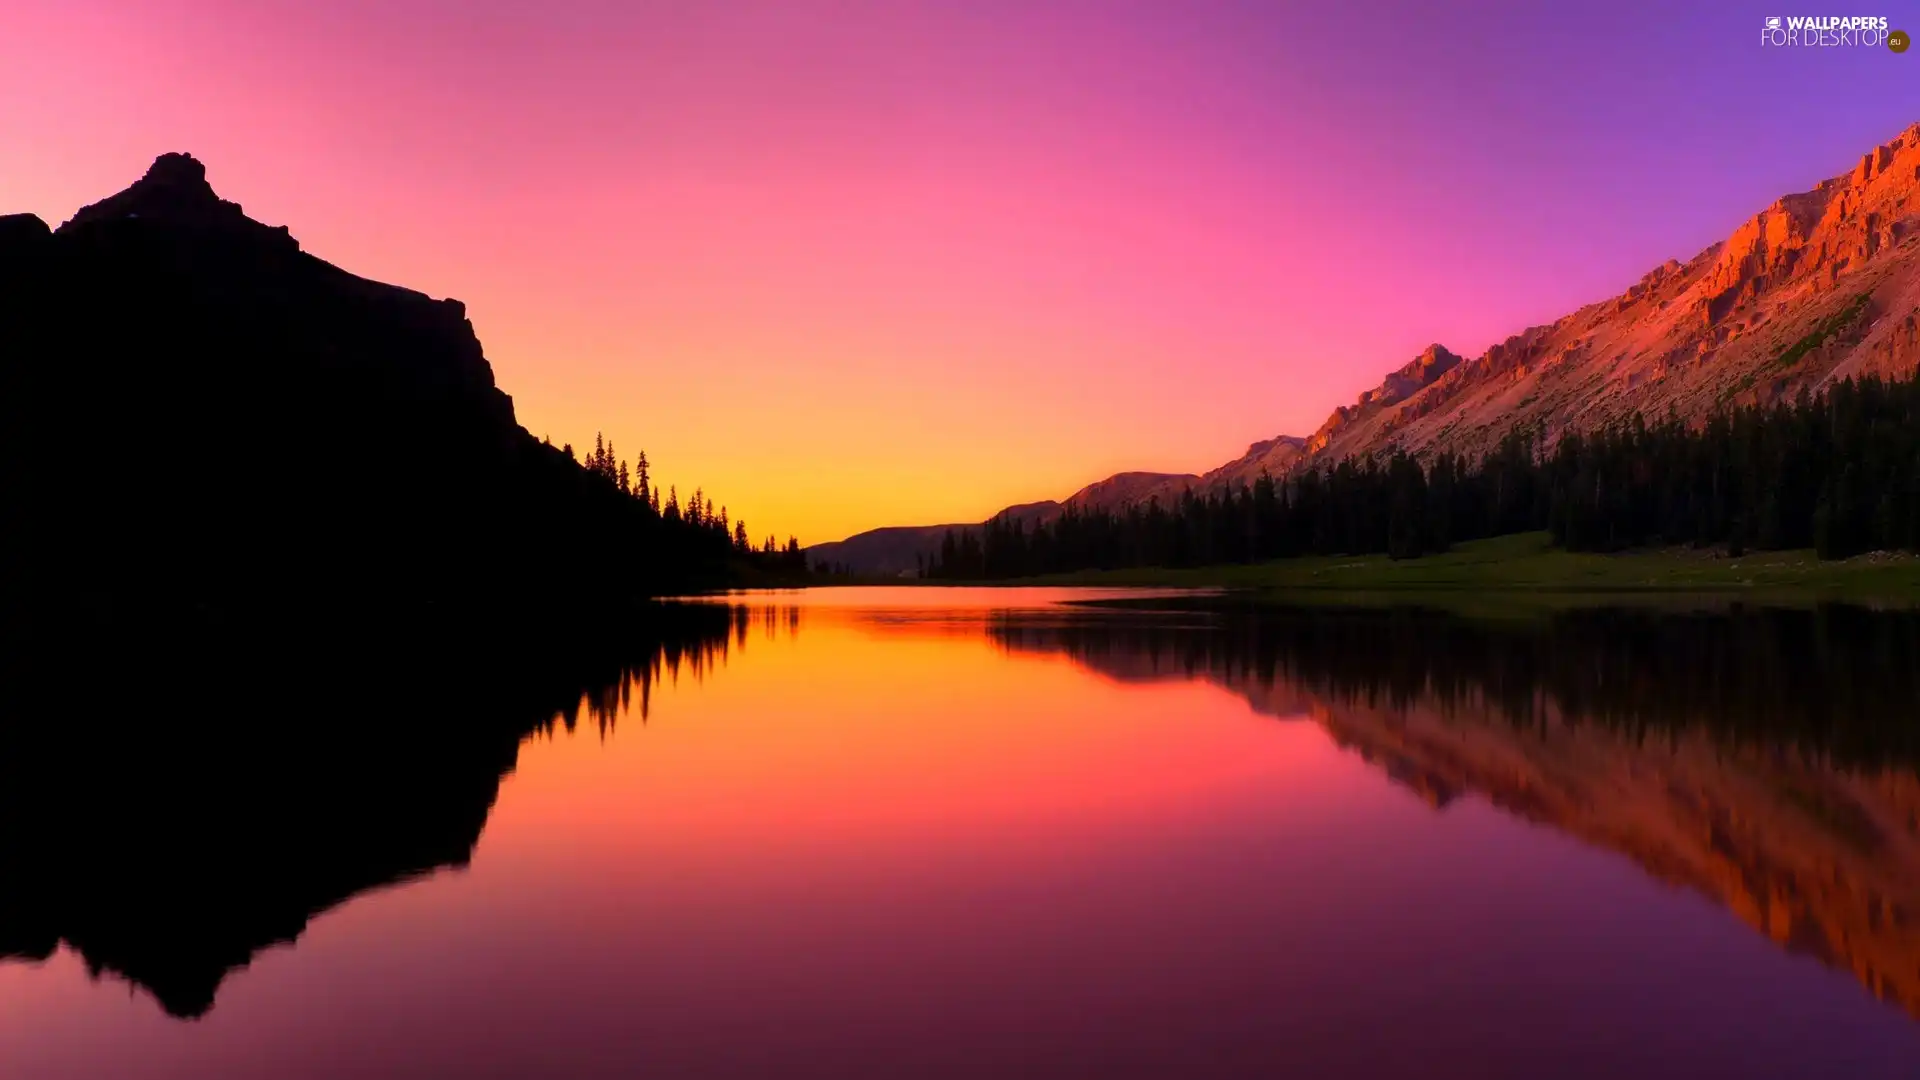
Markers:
point(994, 833)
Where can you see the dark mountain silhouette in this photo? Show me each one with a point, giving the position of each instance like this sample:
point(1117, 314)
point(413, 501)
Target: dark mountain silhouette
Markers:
point(194, 411)
point(172, 804)
point(898, 550)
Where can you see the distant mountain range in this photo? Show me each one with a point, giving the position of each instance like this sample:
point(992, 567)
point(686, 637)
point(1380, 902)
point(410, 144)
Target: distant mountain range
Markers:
point(1820, 285)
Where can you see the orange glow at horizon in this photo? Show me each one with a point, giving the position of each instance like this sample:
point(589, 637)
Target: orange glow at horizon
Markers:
point(847, 265)
point(997, 741)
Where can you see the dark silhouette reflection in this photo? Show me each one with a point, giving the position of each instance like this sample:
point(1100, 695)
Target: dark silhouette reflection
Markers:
point(1767, 759)
point(172, 803)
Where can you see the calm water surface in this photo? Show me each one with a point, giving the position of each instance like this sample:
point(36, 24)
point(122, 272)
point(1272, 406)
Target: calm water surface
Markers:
point(930, 833)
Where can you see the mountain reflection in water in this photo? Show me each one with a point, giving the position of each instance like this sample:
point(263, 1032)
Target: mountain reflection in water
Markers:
point(1767, 759)
point(170, 808)
point(169, 812)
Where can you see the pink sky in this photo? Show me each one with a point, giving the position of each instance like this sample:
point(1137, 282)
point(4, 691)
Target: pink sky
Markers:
point(851, 264)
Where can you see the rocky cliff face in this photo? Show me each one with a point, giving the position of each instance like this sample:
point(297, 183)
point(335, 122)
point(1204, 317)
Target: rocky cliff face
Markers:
point(1818, 286)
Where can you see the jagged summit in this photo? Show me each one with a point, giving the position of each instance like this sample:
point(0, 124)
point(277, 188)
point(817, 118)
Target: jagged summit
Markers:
point(174, 190)
point(175, 329)
point(178, 170)
point(1430, 366)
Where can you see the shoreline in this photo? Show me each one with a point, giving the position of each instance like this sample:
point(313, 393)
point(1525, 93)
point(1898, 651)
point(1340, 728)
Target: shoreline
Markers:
point(1514, 565)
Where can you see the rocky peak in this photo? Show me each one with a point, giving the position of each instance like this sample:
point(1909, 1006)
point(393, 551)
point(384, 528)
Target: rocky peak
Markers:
point(175, 191)
point(1282, 443)
point(1434, 361)
point(179, 171)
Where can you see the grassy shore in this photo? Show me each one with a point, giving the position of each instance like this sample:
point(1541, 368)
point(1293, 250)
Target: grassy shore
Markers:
point(1529, 562)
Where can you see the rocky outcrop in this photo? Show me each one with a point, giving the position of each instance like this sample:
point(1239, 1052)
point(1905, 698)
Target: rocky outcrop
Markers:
point(174, 191)
point(1416, 375)
point(1384, 406)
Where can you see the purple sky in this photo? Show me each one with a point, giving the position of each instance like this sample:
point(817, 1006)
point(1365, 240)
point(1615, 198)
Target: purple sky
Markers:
point(852, 264)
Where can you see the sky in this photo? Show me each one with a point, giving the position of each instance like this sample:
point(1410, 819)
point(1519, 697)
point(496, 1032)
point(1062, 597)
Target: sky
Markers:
point(850, 264)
